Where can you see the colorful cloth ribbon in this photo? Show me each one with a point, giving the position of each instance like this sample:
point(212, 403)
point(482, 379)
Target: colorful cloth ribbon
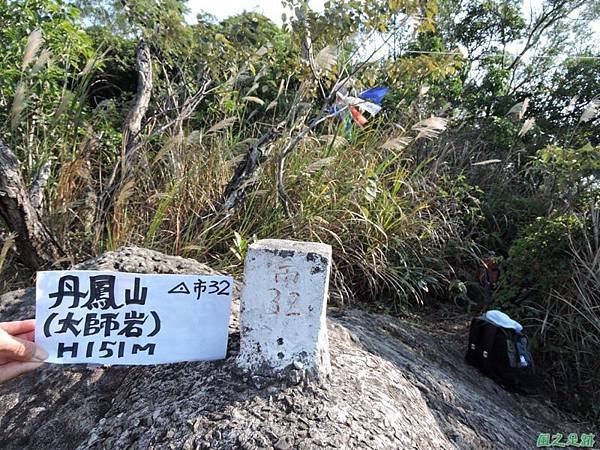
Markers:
point(368, 101)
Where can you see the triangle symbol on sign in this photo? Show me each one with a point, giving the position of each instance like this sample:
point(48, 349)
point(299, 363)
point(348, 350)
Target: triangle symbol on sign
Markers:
point(181, 288)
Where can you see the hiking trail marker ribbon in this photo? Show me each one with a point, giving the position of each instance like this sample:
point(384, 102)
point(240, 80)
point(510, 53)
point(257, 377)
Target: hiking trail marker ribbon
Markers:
point(368, 101)
point(128, 318)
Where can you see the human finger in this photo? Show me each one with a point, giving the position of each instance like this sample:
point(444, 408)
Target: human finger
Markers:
point(26, 337)
point(18, 326)
point(30, 336)
point(17, 349)
point(16, 368)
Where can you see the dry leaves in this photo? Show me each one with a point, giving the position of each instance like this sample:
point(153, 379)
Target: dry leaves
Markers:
point(252, 99)
point(487, 162)
point(327, 58)
point(518, 110)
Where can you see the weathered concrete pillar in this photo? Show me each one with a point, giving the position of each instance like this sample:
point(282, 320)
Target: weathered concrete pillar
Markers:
point(283, 306)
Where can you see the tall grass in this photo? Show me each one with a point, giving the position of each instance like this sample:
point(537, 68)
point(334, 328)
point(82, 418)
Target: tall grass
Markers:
point(570, 328)
point(394, 225)
point(393, 222)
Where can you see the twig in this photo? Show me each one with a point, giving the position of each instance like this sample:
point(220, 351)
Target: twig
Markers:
point(283, 197)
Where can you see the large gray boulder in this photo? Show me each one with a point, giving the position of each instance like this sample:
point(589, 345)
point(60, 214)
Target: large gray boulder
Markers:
point(394, 385)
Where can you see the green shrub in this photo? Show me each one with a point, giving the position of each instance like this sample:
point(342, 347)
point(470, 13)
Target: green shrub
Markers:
point(506, 215)
point(539, 260)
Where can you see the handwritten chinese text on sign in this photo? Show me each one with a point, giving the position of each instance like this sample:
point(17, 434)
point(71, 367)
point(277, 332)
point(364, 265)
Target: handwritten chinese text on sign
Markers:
point(130, 318)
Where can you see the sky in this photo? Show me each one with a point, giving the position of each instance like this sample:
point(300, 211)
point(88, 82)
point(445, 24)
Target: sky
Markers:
point(225, 8)
point(273, 9)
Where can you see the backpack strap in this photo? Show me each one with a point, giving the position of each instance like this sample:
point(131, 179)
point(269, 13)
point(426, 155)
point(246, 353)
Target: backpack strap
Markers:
point(522, 345)
point(487, 344)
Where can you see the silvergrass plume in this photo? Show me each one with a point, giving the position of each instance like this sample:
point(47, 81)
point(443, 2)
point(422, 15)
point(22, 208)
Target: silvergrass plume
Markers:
point(431, 127)
point(34, 42)
point(18, 104)
point(42, 60)
point(519, 109)
point(527, 125)
point(591, 110)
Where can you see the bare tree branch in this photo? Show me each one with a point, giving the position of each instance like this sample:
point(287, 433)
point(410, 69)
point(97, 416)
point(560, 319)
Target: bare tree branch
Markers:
point(36, 190)
point(288, 149)
point(559, 10)
point(185, 110)
point(245, 173)
point(248, 169)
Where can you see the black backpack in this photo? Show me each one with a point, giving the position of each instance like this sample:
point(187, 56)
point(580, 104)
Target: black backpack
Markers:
point(503, 355)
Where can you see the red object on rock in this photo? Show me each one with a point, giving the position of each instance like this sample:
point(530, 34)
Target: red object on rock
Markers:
point(357, 116)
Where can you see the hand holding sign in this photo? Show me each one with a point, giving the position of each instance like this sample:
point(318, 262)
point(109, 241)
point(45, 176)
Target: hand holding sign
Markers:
point(18, 353)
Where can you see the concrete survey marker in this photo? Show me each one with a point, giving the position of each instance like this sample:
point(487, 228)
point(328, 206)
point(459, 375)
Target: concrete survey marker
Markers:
point(283, 306)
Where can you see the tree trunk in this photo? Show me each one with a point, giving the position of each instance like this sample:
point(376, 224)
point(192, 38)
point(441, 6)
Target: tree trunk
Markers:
point(35, 245)
point(131, 130)
point(244, 174)
point(36, 190)
point(133, 123)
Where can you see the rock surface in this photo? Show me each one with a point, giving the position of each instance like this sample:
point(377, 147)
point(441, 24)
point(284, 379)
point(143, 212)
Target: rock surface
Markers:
point(394, 385)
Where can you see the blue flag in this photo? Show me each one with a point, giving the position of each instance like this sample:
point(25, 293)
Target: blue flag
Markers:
point(374, 94)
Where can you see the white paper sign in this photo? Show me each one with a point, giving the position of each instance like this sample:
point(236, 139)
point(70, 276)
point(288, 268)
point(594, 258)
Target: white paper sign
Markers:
point(130, 318)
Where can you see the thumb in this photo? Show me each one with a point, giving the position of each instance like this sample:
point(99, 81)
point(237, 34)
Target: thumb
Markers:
point(21, 350)
point(14, 369)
